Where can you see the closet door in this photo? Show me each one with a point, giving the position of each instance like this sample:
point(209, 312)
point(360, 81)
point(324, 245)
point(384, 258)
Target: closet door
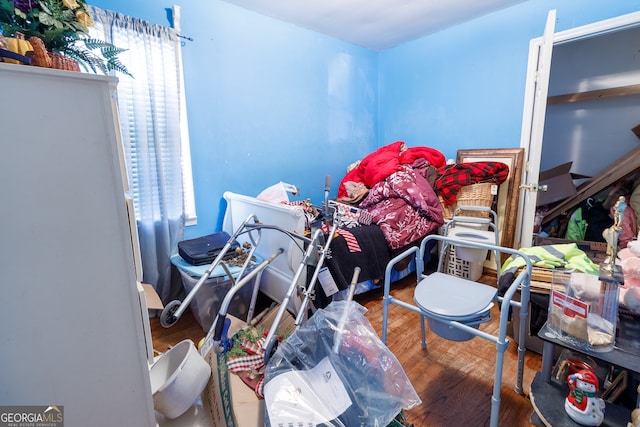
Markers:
point(538, 77)
point(535, 108)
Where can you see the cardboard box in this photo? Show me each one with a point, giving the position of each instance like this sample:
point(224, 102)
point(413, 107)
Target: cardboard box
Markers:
point(559, 184)
point(153, 299)
point(227, 400)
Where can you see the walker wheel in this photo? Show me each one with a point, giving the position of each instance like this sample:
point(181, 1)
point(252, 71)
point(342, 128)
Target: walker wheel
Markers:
point(167, 318)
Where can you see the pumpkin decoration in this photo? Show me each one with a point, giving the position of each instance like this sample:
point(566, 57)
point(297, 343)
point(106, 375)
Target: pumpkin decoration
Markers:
point(17, 45)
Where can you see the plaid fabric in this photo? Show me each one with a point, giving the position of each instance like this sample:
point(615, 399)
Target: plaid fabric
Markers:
point(245, 363)
point(252, 347)
point(253, 361)
point(451, 178)
point(260, 388)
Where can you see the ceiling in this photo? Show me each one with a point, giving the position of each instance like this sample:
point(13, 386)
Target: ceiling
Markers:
point(375, 24)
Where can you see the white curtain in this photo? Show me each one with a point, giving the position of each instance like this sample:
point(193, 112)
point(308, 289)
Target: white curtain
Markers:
point(149, 111)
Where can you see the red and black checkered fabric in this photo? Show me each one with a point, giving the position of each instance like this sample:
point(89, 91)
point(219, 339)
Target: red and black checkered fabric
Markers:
point(453, 177)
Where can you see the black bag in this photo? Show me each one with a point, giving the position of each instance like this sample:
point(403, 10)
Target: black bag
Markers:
point(203, 250)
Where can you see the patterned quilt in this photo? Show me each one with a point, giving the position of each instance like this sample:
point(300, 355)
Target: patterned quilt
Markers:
point(405, 207)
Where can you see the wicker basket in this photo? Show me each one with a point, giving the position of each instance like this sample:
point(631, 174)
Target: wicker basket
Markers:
point(61, 62)
point(40, 57)
point(480, 194)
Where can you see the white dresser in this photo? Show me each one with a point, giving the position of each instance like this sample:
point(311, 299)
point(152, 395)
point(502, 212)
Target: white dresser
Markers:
point(72, 333)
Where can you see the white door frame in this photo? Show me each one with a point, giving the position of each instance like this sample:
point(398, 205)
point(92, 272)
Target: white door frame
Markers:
point(535, 107)
point(538, 69)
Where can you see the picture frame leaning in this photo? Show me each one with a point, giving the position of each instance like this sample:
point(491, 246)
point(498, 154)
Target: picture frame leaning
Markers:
point(509, 190)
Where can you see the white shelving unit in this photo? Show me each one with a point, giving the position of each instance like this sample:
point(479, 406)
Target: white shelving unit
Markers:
point(72, 333)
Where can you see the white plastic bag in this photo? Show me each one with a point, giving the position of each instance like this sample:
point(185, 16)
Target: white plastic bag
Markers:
point(312, 379)
point(277, 193)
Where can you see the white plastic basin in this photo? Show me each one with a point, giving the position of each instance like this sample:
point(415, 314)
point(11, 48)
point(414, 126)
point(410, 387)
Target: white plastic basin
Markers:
point(178, 378)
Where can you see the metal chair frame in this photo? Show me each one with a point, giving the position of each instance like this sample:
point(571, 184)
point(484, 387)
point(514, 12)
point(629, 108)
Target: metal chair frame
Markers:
point(521, 284)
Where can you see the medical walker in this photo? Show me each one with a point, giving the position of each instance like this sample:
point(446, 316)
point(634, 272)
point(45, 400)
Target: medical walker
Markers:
point(317, 248)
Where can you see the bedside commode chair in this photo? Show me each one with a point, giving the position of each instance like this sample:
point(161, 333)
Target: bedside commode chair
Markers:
point(455, 307)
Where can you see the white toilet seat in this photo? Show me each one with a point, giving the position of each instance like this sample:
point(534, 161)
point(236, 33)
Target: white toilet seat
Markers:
point(453, 298)
point(472, 234)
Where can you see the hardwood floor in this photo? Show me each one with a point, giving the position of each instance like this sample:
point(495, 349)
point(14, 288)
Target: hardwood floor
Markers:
point(453, 379)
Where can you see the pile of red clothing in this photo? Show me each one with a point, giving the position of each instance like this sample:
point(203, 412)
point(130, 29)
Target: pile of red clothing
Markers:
point(399, 186)
point(383, 162)
point(391, 184)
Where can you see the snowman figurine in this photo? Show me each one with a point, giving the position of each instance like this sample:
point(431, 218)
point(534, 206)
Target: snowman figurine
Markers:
point(582, 405)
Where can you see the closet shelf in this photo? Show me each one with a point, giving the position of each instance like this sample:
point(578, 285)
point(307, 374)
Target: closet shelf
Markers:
point(594, 94)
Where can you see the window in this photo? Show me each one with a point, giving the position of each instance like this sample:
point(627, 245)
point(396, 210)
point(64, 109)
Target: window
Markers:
point(153, 118)
point(153, 122)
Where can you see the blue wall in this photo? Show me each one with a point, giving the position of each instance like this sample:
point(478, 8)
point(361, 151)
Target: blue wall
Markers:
point(268, 101)
point(464, 87)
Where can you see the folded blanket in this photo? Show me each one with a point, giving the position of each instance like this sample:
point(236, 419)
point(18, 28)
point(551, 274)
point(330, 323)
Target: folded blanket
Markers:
point(562, 256)
point(566, 256)
point(453, 177)
point(405, 207)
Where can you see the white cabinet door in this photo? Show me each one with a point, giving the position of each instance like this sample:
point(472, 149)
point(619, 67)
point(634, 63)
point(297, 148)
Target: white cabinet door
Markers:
point(72, 332)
